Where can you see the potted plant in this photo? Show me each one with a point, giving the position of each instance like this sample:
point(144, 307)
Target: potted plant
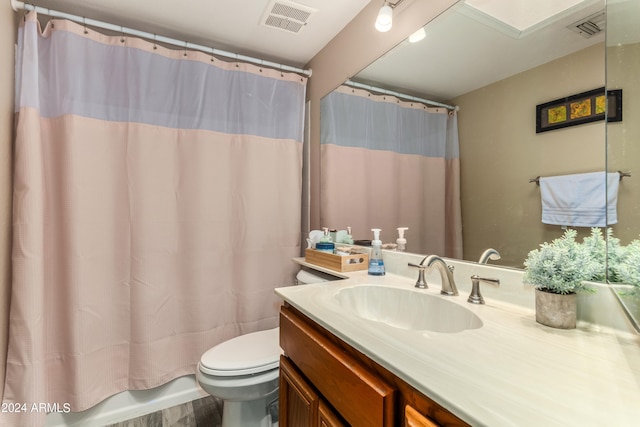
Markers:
point(557, 271)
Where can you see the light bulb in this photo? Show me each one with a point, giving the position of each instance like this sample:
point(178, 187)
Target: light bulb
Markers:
point(417, 36)
point(385, 18)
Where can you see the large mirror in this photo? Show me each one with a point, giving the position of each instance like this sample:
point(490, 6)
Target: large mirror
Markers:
point(623, 150)
point(496, 75)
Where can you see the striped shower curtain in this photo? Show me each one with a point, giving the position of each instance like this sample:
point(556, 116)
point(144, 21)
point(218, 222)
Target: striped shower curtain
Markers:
point(386, 163)
point(156, 203)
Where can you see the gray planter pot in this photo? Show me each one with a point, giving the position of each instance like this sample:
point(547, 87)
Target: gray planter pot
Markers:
point(555, 310)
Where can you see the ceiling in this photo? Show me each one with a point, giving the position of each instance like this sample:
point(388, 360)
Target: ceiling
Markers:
point(464, 50)
point(232, 25)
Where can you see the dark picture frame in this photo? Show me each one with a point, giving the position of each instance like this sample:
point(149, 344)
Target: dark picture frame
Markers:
point(585, 107)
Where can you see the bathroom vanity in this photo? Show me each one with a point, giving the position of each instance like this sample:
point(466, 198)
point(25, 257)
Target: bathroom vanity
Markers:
point(354, 356)
point(326, 382)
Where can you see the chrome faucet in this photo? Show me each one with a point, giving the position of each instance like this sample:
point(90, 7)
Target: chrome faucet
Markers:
point(489, 254)
point(446, 274)
point(475, 297)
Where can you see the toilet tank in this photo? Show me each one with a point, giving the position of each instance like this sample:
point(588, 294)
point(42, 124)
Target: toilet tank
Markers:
point(307, 276)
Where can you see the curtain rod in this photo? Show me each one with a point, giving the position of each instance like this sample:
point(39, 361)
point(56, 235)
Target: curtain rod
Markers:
point(19, 5)
point(400, 95)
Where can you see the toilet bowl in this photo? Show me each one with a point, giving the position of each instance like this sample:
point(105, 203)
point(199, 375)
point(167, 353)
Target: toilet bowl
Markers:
point(243, 372)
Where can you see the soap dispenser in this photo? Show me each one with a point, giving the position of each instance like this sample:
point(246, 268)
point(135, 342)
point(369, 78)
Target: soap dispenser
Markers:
point(325, 244)
point(401, 241)
point(376, 264)
point(349, 238)
point(326, 237)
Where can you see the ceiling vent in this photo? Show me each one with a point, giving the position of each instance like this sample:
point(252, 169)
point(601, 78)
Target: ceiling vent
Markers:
point(590, 26)
point(287, 16)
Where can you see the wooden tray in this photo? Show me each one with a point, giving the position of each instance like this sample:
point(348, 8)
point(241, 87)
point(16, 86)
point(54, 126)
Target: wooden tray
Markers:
point(340, 263)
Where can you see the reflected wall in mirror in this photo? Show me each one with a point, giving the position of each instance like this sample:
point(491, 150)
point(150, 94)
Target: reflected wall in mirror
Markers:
point(623, 144)
point(496, 76)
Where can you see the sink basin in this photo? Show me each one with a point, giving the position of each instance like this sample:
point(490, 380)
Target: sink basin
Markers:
point(407, 309)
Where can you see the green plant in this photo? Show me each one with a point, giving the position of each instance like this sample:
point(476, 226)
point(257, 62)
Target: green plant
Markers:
point(626, 267)
point(563, 265)
point(606, 252)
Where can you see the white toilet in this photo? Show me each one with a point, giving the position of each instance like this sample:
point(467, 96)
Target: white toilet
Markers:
point(244, 373)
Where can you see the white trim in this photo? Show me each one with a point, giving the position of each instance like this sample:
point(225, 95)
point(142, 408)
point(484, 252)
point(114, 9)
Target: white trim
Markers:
point(131, 404)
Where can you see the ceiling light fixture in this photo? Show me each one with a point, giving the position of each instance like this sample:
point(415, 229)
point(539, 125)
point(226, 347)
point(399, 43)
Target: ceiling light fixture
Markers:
point(417, 36)
point(384, 21)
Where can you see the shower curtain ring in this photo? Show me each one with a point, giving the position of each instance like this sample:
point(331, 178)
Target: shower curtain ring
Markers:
point(84, 23)
point(155, 46)
point(121, 34)
point(212, 57)
point(185, 48)
point(27, 10)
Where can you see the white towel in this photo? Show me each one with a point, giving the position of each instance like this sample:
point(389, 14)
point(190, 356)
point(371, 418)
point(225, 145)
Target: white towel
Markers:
point(581, 200)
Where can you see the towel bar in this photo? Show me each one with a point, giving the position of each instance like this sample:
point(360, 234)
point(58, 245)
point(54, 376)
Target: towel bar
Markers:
point(622, 175)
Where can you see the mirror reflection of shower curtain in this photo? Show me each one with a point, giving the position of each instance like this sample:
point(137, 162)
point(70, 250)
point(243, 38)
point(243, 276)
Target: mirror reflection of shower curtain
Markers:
point(156, 207)
point(386, 163)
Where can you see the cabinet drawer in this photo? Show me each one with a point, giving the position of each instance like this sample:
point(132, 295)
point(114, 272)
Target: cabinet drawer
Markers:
point(413, 418)
point(327, 418)
point(361, 397)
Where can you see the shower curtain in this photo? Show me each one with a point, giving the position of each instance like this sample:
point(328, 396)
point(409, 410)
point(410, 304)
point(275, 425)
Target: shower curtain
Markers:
point(386, 163)
point(157, 204)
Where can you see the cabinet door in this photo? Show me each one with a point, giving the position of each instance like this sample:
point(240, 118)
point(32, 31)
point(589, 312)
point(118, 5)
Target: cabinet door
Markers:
point(327, 417)
point(298, 401)
point(356, 392)
point(413, 418)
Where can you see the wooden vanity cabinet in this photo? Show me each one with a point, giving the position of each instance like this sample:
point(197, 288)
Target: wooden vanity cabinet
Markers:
point(413, 418)
point(298, 400)
point(300, 405)
point(326, 382)
point(327, 416)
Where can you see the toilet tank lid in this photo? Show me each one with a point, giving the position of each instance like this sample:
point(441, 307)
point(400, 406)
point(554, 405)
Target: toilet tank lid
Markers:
point(245, 354)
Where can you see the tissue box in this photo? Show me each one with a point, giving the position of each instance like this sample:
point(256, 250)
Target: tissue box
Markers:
point(342, 263)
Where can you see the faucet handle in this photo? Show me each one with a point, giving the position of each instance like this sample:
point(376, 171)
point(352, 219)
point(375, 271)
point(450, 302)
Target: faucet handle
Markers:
point(475, 297)
point(421, 283)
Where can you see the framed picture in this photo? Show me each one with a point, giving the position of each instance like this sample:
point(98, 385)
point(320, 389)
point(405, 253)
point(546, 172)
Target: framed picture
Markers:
point(578, 109)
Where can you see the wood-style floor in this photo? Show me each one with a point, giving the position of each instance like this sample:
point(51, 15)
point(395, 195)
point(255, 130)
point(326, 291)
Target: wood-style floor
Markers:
point(205, 412)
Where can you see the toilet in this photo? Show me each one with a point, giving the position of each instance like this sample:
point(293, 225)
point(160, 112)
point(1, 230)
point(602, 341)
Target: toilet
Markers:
point(244, 373)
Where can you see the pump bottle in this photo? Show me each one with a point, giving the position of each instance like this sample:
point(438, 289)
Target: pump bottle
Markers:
point(325, 244)
point(376, 264)
point(349, 238)
point(401, 241)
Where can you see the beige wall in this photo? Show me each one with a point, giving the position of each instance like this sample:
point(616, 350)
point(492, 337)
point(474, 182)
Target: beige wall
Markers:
point(500, 151)
point(355, 47)
point(623, 138)
point(7, 40)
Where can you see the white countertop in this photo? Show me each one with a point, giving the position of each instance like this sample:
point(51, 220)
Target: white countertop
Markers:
point(510, 372)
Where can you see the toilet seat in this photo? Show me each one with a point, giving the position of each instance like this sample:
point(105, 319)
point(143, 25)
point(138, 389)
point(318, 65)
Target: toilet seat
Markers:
point(247, 354)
